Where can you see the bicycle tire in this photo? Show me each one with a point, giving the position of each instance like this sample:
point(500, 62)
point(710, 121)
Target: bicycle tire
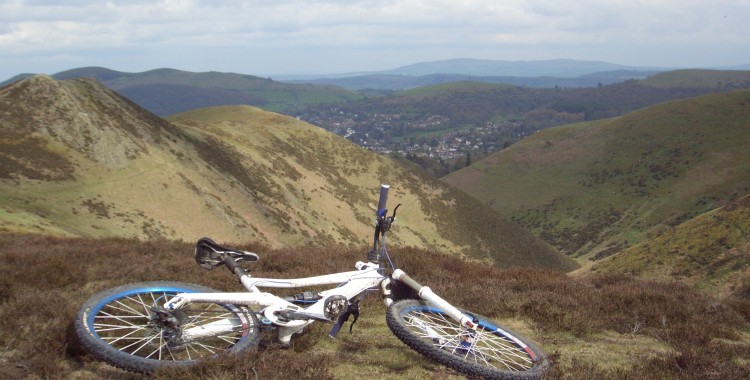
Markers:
point(493, 352)
point(116, 327)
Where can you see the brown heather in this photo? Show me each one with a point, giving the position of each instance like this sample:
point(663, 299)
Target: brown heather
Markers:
point(44, 280)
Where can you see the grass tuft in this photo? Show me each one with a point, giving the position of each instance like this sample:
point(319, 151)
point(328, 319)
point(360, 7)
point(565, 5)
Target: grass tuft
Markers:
point(608, 326)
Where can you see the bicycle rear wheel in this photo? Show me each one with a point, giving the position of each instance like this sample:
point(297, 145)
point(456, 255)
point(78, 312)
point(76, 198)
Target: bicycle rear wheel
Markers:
point(121, 327)
point(491, 351)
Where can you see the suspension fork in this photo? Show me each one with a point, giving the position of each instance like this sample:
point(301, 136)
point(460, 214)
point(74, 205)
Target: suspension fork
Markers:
point(428, 295)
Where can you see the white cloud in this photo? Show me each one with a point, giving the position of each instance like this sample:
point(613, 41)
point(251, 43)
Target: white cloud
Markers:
point(342, 35)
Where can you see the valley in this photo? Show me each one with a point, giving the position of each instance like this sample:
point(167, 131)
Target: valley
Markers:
point(440, 126)
point(236, 173)
point(607, 224)
point(595, 188)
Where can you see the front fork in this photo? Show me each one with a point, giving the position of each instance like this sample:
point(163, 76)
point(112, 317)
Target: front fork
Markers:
point(428, 295)
point(385, 289)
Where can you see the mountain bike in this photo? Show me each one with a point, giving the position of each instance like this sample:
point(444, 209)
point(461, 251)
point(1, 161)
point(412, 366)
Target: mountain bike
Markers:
point(143, 326)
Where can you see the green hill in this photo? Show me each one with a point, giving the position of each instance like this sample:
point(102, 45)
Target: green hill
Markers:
point(720, 79)
point(80, 160)
point(168, 91)
point(710, 251)
point(595, 188)
point(420, 116)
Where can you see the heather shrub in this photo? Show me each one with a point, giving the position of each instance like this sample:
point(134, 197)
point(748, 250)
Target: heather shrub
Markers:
point(43, 282)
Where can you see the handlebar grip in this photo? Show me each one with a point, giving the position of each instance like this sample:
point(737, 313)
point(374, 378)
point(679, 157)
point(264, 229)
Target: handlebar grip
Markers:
point(383, 199)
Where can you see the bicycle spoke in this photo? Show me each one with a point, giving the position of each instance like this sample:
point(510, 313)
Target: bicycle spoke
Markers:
point(229, 339)
point(125, 308)
point(146, 341)
point(153, 299)
point(101, 327)
point(126, 337)
point(487, 347)
point(146, 308)
point(172, 354)
point(502, 346)
point(206, 347)
point(122, 319)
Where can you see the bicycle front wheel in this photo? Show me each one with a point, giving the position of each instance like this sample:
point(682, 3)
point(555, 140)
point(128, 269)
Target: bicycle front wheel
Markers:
point(491, 351)
point(123, 327)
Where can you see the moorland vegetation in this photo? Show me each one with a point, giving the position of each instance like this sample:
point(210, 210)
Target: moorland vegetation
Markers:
point(654, 201)
point(602, 326)
point(592, 189)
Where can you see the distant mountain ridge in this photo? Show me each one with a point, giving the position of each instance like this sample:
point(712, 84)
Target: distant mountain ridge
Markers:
point(169, 91)
point(562, 68)
point(80, 160)
point(535, 73)
point(388, 81)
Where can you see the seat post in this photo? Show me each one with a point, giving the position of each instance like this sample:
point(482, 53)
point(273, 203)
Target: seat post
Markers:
point(232, 265)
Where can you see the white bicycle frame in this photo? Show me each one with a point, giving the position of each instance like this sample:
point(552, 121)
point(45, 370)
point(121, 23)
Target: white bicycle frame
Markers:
point(351, 284)
point(367, 276)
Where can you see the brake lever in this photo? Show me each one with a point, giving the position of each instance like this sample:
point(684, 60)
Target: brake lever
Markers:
point(394, 211)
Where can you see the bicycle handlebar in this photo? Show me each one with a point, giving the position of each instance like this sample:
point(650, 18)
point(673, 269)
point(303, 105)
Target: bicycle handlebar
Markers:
point(382, 201)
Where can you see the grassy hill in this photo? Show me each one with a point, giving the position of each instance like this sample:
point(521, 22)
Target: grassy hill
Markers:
point(710, 251)
point(463, 104)
point(80, 160)
point(725, 79)
point(593, 189)
point(168, 91)
point(599, 327)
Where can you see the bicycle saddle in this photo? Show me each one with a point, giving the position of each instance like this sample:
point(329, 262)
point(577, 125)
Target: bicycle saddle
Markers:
point(209, 254)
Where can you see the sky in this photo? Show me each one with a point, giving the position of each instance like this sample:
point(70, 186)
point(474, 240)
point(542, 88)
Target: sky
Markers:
point(278, 37)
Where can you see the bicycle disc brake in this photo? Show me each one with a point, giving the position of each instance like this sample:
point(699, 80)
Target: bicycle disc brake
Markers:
point(169, 324)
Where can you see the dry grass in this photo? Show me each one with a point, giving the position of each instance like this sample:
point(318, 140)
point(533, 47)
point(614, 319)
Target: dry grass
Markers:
point(606, 326)
point(99, 166)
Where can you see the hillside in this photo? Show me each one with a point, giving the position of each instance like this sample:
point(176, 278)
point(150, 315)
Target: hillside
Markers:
point(598, 327)
point(475, 101)
point(593, 189)
point(80, 160)
point(710, 251)
point(725, 79)
point(168, 91)
point(438, 126)
point(469, 107)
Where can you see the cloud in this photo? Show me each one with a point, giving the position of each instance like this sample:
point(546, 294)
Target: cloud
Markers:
point(371, 34)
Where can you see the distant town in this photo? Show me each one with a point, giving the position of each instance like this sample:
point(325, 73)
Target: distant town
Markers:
point(430, 136)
